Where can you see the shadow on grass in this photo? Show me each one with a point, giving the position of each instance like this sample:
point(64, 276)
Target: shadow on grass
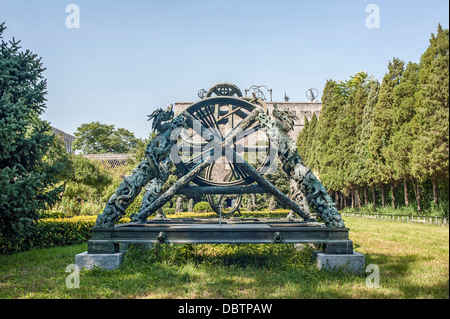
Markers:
point(271, 271)
point(235, 271)
point(219, 271)
point(223, 255)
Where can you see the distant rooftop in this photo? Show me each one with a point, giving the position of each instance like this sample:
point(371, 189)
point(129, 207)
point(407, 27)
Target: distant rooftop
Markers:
point(111, 159)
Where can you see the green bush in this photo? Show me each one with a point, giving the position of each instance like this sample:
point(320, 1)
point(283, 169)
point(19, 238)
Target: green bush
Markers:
point(51, 214)
point(192, 215)
point(135, 205)
point(51, 232)
point(71, 207)
point(88, 208)
point(279, 213)
point(202, 207)
point(62, 231)
point(169, 211)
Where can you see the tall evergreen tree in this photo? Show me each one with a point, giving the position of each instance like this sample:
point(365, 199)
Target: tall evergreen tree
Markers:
point(333, 102)
point(364, 168)
point(26, 175)
point(382, 126)
point(359, 85)
point(301, 140)
point(349, 99)
point(430, 154)
point(398, 151)
point(310, 147)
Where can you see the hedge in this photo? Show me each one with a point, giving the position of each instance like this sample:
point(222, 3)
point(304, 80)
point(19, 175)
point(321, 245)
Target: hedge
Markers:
point(52, 232)
point(51, 214)
point(63, 231)
point(203, 207)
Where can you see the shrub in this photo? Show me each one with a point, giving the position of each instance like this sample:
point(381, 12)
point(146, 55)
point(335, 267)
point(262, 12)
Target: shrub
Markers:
point(279, 213)
point(135, 205)
point(202, 207)
point(191, 215)
point(71, 207)
point(168, 211)
point(51, 214)
point(62, 231)
point(51, 232)
point(89, 209)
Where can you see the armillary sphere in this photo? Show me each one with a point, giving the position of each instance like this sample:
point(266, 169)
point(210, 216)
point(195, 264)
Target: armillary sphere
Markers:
point(312, 94)
point(221, 114)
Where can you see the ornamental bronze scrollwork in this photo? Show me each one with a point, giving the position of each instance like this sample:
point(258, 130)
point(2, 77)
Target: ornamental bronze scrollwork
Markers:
point(214, 129)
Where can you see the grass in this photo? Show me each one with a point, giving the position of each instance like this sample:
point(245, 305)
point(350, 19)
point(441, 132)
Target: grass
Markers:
point(413, 261)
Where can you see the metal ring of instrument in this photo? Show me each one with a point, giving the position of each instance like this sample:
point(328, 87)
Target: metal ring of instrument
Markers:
point(217, 114)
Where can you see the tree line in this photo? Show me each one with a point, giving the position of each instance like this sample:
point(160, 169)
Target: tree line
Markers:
point(378, 142)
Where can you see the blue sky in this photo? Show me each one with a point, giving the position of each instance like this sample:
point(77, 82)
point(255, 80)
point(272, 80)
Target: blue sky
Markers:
point(130, 57)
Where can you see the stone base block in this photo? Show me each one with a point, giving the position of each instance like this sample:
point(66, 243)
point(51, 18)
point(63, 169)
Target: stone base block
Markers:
point(315, 252)
point(103, 261)
point(351, 263)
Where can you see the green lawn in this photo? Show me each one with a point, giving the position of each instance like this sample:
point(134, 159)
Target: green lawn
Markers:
point(413, 261)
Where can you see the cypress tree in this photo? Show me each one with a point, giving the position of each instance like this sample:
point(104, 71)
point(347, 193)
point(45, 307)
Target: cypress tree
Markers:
point(364, 166)
point(350, 97)
point(309, 144)
point(333, 102)
point(382, 126)
point(301, 140)
point(400, 147)
point(359, 90)
point(430, 153)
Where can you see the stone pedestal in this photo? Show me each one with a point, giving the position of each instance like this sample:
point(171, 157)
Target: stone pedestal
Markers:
point(351, 263)
point(103, 261)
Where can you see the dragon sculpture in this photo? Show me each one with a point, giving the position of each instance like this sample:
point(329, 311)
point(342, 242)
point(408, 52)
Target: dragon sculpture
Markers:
point(152, 172)
point(306, 190)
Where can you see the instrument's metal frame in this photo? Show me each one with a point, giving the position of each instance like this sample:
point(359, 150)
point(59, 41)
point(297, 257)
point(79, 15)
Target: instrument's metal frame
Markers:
point(225, 231)
point(208, 111)
point(313, 94)
point(331, 234)
point(256, 90)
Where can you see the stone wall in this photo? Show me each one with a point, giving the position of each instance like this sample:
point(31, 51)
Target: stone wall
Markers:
point(66, 138)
